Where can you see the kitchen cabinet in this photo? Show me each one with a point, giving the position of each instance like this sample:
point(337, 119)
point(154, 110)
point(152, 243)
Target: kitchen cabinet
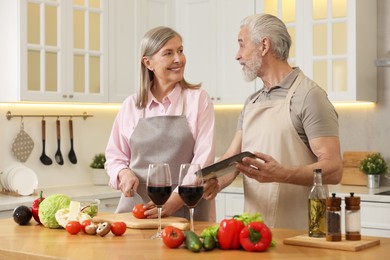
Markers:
point(229, 204)
point(210, 29)
point(129, 20)
point(334, 43)
point(56, 51)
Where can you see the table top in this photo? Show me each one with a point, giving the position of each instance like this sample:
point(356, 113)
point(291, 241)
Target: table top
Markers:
point(37, 242)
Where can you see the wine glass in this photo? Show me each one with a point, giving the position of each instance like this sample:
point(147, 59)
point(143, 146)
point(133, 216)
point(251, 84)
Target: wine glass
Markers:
point(159, 186)
point(190, 187)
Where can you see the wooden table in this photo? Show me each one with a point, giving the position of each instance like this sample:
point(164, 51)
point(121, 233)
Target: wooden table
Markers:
point(36, 242)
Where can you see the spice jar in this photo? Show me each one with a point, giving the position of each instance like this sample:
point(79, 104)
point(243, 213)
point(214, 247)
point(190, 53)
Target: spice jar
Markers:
point(352, 218)
point(333, 218)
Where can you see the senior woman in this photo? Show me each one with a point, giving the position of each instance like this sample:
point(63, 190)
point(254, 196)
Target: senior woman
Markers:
point(168, 120)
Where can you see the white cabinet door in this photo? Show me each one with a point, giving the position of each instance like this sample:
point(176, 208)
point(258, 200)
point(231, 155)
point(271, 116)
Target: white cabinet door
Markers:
point(129, 20)
point(59, 51)
point(330, 43)
point(210, 29)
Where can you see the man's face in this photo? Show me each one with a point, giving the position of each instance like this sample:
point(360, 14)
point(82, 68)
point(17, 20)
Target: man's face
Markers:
point(248, 55)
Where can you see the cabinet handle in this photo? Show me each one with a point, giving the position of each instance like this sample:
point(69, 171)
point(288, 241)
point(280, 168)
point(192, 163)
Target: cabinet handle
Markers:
point(212, 98)
point(64, 96)
point(70, 96)
point(218, 98)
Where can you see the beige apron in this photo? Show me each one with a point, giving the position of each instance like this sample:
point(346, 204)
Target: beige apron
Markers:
point(162, 139)
point(267, 128)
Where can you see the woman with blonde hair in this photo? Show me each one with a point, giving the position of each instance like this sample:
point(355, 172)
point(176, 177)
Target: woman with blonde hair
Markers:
point(169, 121)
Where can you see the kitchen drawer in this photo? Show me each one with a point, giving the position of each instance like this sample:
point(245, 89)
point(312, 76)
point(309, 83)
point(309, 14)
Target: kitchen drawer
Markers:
point(108, 205)
point(6, 214)
point(375, 218)
point(234, 204)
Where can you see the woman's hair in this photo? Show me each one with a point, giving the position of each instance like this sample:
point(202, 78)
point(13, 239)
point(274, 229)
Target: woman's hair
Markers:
point(151, 43)
point(268, 26)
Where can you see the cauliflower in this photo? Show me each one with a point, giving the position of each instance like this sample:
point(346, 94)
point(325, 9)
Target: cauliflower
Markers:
point(63, 216)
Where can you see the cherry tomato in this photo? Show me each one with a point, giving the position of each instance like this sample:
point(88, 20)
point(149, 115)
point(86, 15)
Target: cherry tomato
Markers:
point(172, 237)
point(73, 227)
point(139, 211)
point(118, 228)
point(85, 223)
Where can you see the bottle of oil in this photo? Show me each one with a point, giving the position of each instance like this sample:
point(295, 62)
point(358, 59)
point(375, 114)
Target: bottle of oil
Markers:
point(317, 206)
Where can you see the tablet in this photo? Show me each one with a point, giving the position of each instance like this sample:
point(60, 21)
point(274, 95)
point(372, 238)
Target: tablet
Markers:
point(225, 166)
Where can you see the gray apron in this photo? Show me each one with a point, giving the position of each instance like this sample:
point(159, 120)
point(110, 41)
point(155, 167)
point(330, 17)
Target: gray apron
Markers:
point(267, 128)
point(162, 139)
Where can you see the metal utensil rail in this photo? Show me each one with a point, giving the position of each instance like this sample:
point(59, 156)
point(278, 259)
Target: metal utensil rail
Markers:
point(84, 115)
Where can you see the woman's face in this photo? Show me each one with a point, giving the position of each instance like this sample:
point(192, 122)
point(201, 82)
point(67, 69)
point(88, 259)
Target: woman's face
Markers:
point(168, 63)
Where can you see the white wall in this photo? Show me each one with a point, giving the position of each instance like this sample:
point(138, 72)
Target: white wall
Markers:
point(90, 137)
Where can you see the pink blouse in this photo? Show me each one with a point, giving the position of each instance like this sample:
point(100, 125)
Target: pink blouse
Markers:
point(198, 110)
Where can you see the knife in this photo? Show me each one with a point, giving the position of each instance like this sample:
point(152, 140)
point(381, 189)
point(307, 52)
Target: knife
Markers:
point(225, 166)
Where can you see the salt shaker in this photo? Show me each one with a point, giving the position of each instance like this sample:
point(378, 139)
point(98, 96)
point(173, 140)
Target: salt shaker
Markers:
point(333, 218)
point(352, 218)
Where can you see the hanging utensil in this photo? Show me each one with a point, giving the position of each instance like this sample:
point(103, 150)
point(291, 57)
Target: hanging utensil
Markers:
point(46, 160)
point(71, 155)
point(22, 145)
point(58, 154)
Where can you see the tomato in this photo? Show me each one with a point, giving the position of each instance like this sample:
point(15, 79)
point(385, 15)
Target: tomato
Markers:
point(172, 237)
point(73, 227)
point(139, 211)
point(118, 228)
point(85, 223)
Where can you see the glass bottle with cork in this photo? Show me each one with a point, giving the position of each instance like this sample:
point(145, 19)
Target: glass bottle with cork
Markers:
point(352, 218)
point(333, 218)
point(317, 206)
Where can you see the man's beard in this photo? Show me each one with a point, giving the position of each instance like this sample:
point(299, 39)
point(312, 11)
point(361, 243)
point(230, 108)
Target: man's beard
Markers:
point(252, 67)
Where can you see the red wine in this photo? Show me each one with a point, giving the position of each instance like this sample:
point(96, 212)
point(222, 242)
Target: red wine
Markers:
point(191, 194)
point(159, 194)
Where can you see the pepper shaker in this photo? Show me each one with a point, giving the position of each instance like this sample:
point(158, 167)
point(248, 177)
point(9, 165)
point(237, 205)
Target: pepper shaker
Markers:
point(352, 218)
point(333, 218)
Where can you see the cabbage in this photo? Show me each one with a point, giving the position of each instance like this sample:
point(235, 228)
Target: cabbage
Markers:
point(48, 208)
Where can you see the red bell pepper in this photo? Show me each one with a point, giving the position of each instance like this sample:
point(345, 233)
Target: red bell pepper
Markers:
point(35, 207)
point(256, 236)
point(229, 233)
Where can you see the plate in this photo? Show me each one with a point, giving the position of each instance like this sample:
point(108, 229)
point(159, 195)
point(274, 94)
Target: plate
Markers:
point(11, 174)
point(24, 181)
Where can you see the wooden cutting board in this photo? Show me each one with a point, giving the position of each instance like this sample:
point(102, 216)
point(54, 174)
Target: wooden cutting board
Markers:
point(346, 245)
point(351, 173)
point(132, 222)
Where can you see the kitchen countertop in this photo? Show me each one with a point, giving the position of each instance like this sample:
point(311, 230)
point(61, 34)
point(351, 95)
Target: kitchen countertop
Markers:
point(37, 242)
point(340, 190)
point(9, 202)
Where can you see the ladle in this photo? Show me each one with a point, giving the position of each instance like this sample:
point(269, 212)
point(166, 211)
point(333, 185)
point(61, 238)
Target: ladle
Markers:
point(71, 155)
point(44, 158)
point(58, 154)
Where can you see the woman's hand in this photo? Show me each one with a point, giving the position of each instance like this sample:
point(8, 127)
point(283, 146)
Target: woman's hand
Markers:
point(211, 189)
point(128, 182)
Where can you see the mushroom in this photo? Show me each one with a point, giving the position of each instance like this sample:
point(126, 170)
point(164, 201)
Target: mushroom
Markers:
point(91, 229)
point(103, 229)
